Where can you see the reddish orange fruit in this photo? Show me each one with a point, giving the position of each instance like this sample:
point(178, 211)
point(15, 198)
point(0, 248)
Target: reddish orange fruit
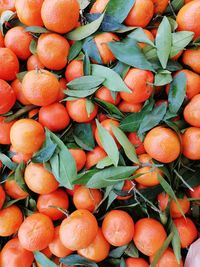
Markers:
point(160, 6)
point(7, 5)
point(79, 156)
point(5, 128)
point(129, 107)
point(63, 86)
point(2, 196)
point(7, 97)
point(19, 157)
point(94, 156)
point(33, 113)
point(168, 259)
point(74, 70)
point(1, 39)
point(191, 58)
point(149, 35)
point(192, 112)
point(33, 63)
point(9, 66)
point(17, 88)
point(99, 6)
point(128, 185)
point(195, 193)
point(105, 94)
point(13, 190)
point(135, 140)
point(136, 262)
point(191, 143)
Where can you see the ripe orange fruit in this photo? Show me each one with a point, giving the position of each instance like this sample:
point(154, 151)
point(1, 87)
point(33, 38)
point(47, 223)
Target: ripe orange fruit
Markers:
point(79, 156)
point(1, 39)
point(53, 50)
point(15, 254)
point(136, 262)
point(36, 232)
point(13, 190)
point(17, 88)
point(160, 6)
point(78, 230)
point(18, 40)
point(140, 14)
point(138, 82)
point(191, 58)
point(86, 198)
point(29, 12)
point(33, 63)
point(195, 193)
point(63, 86)
point(128, 185)
point(27, 136)
point(5, 128)
point(78, 112)
point(187, 231)
point(128, 107)
point(162, 144)
point(9, 66)
point(19, 157)
point(94, 156)
point(74, 70)
point(99, 6)
point(191, 143)
point(67, 15)
point(10, 220)
point(192, 112)
point(7, 97)
point(71, 191)
point(168, 259)
point(135, 140)
point(33, 113)
point(40, 87)
point(2, 196)
point(98, 250)
point(118, 228)
point(57, 199)
point(54, 117)
point(188, 17)
point(149, 36)
point(39, 180)
point(149, 236)
point(102, 41)
point(105, 94)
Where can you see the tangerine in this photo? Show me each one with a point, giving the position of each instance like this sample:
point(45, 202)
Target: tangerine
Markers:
point(191, 143)
point(9, 66)
point(7, 97)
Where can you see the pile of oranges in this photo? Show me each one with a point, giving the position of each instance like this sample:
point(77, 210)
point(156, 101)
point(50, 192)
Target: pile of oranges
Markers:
point(99, 132)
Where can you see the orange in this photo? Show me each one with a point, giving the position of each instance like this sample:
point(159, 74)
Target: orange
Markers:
point(188, 17)
point(17, 88)
point(128, 107)
point(48, 204)
point(78, 230)
point(192, 111)
point(7, 97)
point(149, 36)
point(149, 236)
point(36, 232)
point(94, 156)
point(191, 58)
point(135, 140)
point(2, 196)
point(7, 5)
point(53, 50)
point(118, 228)
point(13, 190)
point(168, 259)
point(128, 185)
point(9, 66)
point(54, 117)
point(187, 231)
point(99, 6)
point(77, 110)
point(140, 14)
point(195, 193)
point(10, 220)
point(56, 247)
point(40, 180)
point(63, 86)
point(98, 250)
point(29, 12)
point(105, 94)
point(60, 16)
point(72, 191)
point(79, 156)
point(191, 143)
point(5, 128)
point(33, 113)
point(139, 82)
point(86, 198)
point(19, 157)
point(14, 254)
point(160, 6)
point(33, 63)
point(40, 87)
point(136, 262)
point(18, 40)
point(1, 39)
point(74, 70)
point(27, 136)
point(102, 41)
point(162, 144)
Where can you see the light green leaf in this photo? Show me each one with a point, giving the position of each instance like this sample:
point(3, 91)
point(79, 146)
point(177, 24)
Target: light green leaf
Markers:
point(36, 29)
point(85, 82)
point(110, 108)
point(75, 49)
point(176, 243)
point(33, 46)
point(21, 75)
point(179, 41)
point(162, 78)
point(105, 162)
point(89, 107)
point(7, 162)
point(43, 260)
point(140, 36)
point(77, 261)
point(80, 93)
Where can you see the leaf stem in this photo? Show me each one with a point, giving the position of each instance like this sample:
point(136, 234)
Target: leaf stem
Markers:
point(20, 112)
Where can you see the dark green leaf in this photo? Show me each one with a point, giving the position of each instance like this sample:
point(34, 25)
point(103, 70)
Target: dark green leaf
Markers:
point(83, 136)
point(84, 177)
point(162, 78)
point(173, 65)
point(33, 47)
point(85, 82)
point(176, 243)
point(77, 261)
point(43, 260)
point(7, 162)
point(75, 49)
point(122, 263)
point(19, 176)
point(90, 48)
point(179, 41)
point(86, 65)
point(20, 75)
point(175, 5)
point(36, 29)
point(139, 35)
point(117, 252)
point(132, 251)
point(80, 93)
point(110, 108)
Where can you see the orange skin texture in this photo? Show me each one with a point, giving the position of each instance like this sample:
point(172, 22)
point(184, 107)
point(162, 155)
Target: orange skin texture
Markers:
point(162, 144)
point(150, 37)
point(135, 140)
point(15, 254)
point(80, 157)
point(191, 143)
point(33, 63)
point(102, 41)
point(149, 236)
point(137, 80)
point(36, 232)
point(17, 87)
point(168, 259)
point(41, 88)
point(53, 50)
point(58, 199)
point(29, 12)
point(86, 198)
point(128, 107)
point(77, 110)
point(56, 247)
point(2, 196)
point(94, 156)
point(5, 128)
point(7, 97)
point(63, 86)
point(74, 70)
point(9, 66)
point(140, 14)
point(104, 94)
point(160, 6)
point(136, 262)
point(10, 220)
point(118, 228)
point(191, 58)
point(188, 18)
point(27, 136)
point(71, 191)
point(187, 231)
point(13, 190)
point(195, 193)
point(192, 111)
point(60, 17)
point(54, 117)
point(98, 250)
point(99, 6)
point(128, 185)
point(18, 40)
point(40, 180)
point(1, 39)
point(78, 230)
point(7, 5)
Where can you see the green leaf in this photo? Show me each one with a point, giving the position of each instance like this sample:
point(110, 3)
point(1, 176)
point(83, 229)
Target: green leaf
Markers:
point(177, 92)
point(90, 47)
point(7, 162)
point(33, 47)
point(176, 5)
point(86, 65)
point(112, 80)
point(10, 203)
point(176, 243)
point(118, 252)
point(77, 261)
point(19, 176)
point(83, 3)
point(84, 31)
point(112, 195)
point(164, 41)
point(140, 36)
point(84, 177)
point(83, 136)
point(122, 263)
point(36, 29)
point(110, 108)
point(80, 93)
point(6, 16)
point(179, 41)
point(85, 82)
point(20, 75)
point(122, 69)
point(105, 162)
point(89, 107)
point(162, 78)
point(75, 49)
point(43, 260)
point(132, 251)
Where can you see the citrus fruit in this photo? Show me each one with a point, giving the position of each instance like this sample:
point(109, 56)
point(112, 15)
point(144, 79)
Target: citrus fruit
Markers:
point(192, 111)
point(7, 97)
point(9, 64)
point(191, 143)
